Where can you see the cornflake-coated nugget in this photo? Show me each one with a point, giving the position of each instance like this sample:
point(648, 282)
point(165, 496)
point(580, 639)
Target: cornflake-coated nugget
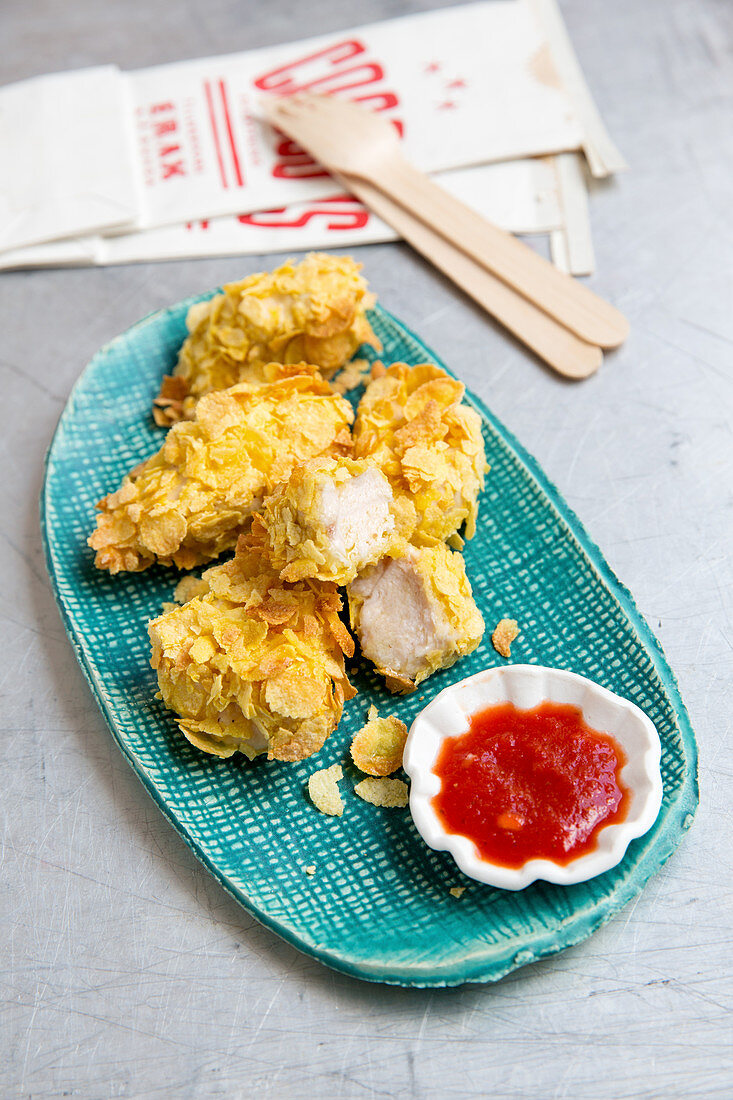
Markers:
point(383, 792)
point(411, 422)
point(254, 665)
point(188, 503)
point(414, 613)
point(377, 748)
point(312, 311)
point(332, 518)
point(324, 792)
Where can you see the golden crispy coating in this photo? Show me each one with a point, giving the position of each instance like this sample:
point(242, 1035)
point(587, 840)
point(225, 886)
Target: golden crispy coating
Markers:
point(312, 311)
point(332, 518)
point(414, 613)
point(324, 792)
point(412, 423)
point(187, 503)
point(504, 634)
point(254, 665)
point(378, 746)
point(382, 792)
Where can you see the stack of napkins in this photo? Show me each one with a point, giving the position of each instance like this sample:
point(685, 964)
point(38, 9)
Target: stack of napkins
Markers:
point(106, 167)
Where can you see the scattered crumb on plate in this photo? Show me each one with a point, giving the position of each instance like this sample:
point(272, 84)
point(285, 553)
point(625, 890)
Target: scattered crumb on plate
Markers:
point(504, 634)
point(378, 746)
point(456, 891)
point(310, 869)
point(188, 588)
point(324, 792)
point(353, 374)
point(382, 792)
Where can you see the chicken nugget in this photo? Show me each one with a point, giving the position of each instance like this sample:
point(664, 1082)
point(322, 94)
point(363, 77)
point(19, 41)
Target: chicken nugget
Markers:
point(189, 502)
point(313, 311)
point(412, 423)
point(332, 518)
point(255, 665)
point(414, 613)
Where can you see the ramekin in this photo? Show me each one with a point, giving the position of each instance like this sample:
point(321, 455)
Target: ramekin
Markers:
point(526, 686)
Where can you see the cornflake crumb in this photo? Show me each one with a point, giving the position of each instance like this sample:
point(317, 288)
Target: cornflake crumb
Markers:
point(378, 746)
point(188, 588)
point(504, 634)
point(168, 405)
point(456, 891)
point(382, 792)
point(310, 869)
point(324, 792)
point(168, 607)
point(354, 374)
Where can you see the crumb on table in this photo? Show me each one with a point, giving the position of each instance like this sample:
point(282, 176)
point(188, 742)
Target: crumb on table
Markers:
point(457, 891)
point(310, 869)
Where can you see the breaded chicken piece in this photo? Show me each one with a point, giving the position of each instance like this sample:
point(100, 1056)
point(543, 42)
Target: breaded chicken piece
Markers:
point(313, 311)
point(188, 503)
point(414, 613)
point(411, 422)
point(254, 665)
point(334, 517)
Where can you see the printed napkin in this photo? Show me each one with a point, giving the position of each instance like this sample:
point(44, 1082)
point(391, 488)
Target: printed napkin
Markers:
point(523, 196)
point(475, 85)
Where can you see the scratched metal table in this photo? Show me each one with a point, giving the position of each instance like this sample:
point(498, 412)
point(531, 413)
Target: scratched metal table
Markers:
point(126, 970)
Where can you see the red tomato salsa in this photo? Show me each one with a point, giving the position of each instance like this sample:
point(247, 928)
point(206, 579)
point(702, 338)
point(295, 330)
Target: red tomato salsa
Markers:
point(530, 784)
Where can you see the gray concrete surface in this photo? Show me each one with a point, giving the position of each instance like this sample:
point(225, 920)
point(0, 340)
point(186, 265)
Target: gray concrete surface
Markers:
point(126, 971)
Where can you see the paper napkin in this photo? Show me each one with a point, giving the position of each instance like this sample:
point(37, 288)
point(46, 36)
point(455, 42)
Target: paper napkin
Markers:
point(176, 160)
point(522, 196)
point(67, 164)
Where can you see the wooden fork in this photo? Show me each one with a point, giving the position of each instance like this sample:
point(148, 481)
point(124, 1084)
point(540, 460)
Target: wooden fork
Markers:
point(356, 143)
point(550, 341)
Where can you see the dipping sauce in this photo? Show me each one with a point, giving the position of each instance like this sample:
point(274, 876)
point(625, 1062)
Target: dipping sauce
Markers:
point(530, 784)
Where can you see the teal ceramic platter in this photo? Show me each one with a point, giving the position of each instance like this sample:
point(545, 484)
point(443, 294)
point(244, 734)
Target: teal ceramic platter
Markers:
point(378, 906)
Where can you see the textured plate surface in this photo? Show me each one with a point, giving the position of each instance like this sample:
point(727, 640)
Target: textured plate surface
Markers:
point(379, 905)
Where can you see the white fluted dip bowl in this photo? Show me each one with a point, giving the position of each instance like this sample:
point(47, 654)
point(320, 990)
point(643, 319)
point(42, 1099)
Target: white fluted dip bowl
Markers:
point(526, 686)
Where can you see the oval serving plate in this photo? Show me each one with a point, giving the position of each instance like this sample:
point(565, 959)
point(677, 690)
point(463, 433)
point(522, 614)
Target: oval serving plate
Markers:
point(379, 905)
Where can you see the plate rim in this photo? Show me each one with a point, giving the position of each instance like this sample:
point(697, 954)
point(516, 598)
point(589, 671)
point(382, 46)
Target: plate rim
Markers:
point(487, 965)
